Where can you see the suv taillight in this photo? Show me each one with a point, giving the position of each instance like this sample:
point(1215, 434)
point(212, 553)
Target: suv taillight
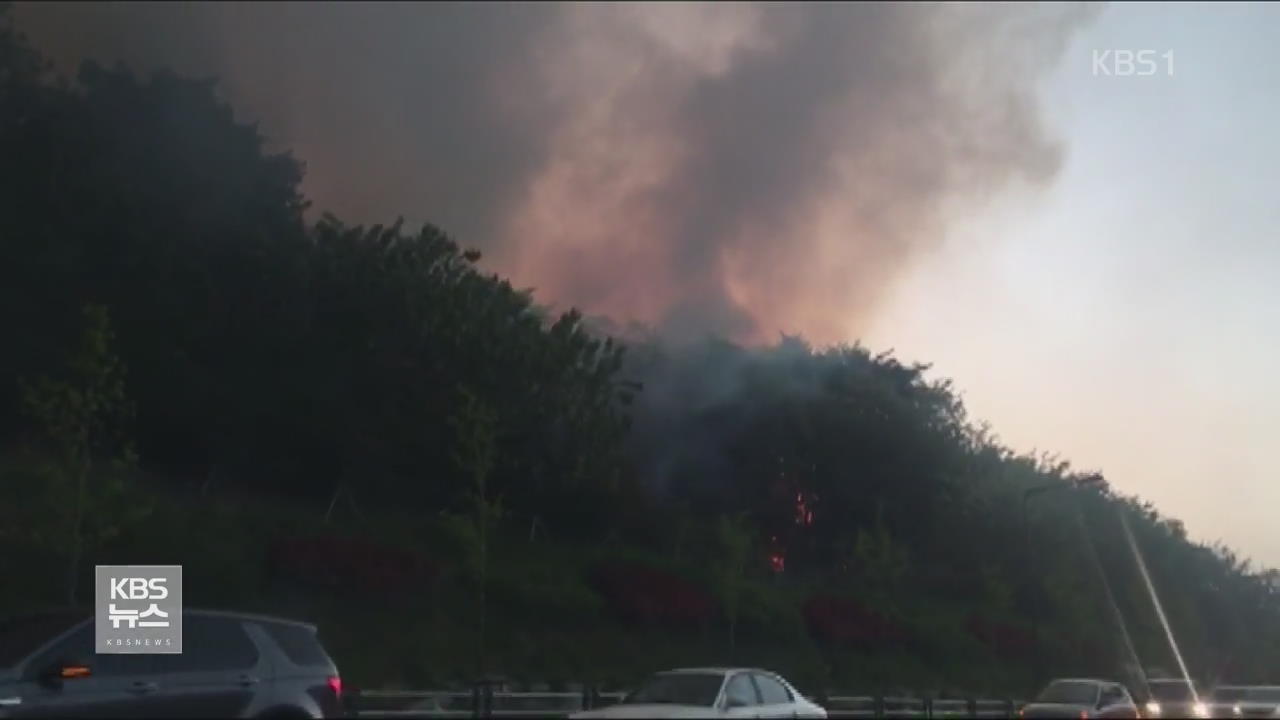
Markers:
point(335, 684)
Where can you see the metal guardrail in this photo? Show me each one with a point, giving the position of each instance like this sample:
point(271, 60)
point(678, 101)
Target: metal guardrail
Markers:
point(408, 704)
point(996, 708)
point(479, 703)
point(475, 703)
point(868, 706)
point(951, 709)
point(839, 706)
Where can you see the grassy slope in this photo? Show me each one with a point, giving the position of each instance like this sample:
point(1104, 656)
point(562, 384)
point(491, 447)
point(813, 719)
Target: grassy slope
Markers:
point(545, 623)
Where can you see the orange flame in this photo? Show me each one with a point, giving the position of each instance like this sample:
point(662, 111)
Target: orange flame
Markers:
point(804, 515)
point(778, 557)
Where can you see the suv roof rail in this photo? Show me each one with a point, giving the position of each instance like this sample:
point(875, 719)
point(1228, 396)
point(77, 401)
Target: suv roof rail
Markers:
point(257, 617)
point(88, 612)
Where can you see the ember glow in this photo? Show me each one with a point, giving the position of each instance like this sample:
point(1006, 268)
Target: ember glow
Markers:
point(777, 556)
point(804, 515)
point(778, 561)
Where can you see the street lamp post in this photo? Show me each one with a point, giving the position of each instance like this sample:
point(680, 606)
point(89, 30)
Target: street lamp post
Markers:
point(1087, 481)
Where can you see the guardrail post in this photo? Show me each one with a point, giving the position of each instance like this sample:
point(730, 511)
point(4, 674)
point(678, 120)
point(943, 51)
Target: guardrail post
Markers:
point(589, 696)
point(926, 703)
point(879, 706)
point(971, 704)
point(476, 711)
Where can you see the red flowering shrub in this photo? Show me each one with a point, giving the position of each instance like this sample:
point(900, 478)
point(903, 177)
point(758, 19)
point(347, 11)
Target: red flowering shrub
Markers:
point(1009, 641)
point(845, 621)
point(331, 561)
point(637, 593)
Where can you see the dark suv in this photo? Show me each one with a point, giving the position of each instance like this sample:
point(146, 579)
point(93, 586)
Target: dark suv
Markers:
point(232, 665)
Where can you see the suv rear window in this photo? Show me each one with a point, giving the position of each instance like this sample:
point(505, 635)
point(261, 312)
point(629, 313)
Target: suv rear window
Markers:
point(211, 643)
point(299, 643)
point(21, 636)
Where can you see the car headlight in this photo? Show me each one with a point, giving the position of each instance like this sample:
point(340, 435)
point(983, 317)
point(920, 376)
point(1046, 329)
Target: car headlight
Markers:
point(1153, 709)
point(1235, 710)
point(1200, 710)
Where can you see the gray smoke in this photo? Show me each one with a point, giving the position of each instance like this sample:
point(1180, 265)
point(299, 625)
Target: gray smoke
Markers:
point(736, 169)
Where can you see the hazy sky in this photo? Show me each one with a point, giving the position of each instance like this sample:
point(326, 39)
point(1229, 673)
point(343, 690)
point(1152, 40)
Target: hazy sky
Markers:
point(1129, 317)
point(733, 168)
point(1090, 258)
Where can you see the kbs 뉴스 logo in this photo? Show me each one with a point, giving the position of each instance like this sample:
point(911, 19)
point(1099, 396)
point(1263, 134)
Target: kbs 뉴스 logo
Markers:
point(138, 608)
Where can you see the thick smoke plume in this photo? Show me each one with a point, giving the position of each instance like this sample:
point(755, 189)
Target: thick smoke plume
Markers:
point(736, 169)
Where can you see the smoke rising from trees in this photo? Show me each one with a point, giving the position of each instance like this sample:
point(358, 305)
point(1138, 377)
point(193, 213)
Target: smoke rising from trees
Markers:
point(742, 170)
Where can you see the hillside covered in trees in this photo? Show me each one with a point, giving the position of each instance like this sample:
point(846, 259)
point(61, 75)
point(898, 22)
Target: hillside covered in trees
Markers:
point(306, 413)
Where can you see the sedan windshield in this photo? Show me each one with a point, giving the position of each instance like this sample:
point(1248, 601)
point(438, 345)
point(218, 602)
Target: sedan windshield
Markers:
point(678, 689)
point(1069, 692)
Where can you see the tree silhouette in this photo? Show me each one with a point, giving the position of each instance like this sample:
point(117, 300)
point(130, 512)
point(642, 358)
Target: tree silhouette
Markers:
point(83, 415)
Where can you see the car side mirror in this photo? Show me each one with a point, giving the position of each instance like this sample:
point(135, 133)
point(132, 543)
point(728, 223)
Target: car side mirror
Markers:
point(731, 703)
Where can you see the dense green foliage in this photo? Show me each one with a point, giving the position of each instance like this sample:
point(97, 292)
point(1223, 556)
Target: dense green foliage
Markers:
point(161, 289)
